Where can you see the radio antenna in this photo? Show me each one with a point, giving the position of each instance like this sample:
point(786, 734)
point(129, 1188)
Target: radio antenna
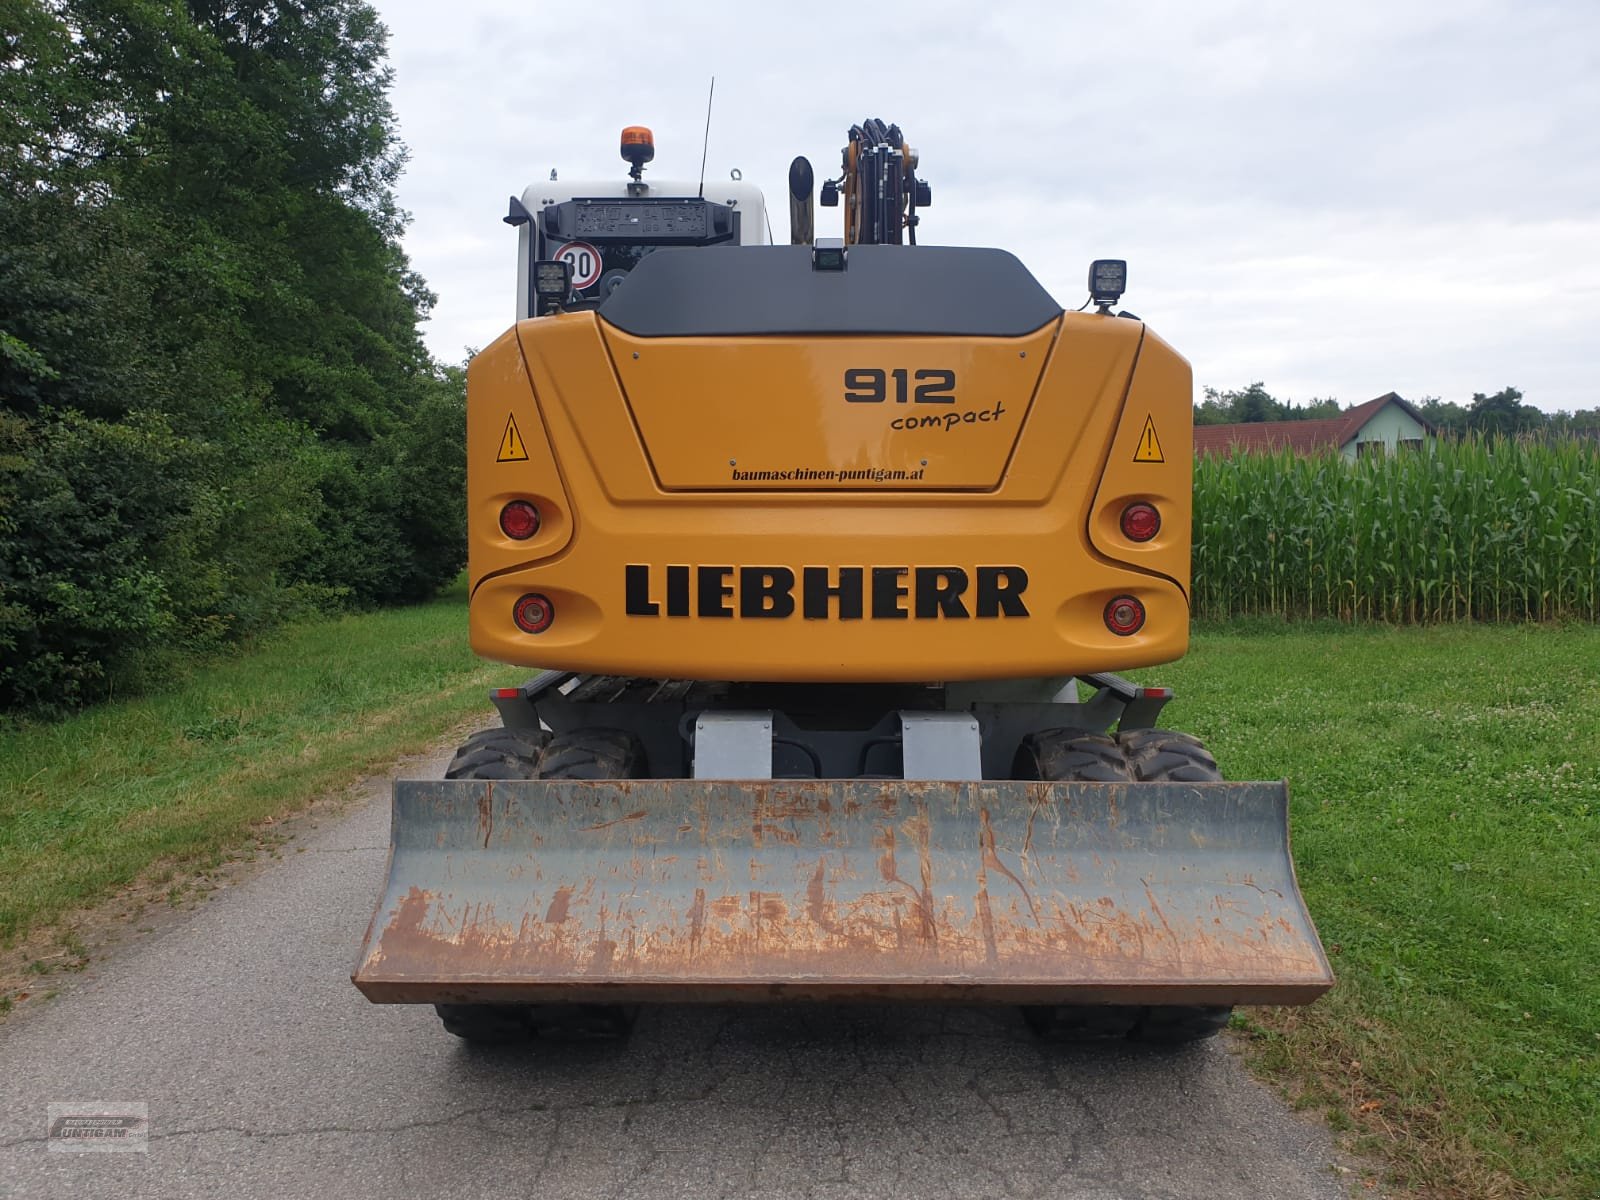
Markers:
point(706, 145)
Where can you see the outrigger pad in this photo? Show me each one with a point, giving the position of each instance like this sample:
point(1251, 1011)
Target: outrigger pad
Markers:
point(683, 890)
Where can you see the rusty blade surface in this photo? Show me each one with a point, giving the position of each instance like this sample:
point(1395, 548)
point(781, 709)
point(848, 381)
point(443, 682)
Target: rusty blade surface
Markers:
point(682, 890)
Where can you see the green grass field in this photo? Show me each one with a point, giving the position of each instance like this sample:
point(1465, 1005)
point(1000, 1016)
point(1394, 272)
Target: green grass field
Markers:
point(1446, 808)
point(1445, 789)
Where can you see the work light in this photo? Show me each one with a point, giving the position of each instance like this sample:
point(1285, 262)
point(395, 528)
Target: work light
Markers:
point(829, 254)
point(1108, 279)
point(552, 284)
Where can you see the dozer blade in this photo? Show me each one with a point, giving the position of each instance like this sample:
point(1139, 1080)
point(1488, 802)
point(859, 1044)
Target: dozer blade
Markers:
point(679, 890)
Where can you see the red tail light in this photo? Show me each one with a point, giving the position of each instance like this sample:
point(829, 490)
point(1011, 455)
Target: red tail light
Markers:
point(1124, 616)
point(1140, 522)
point(533, 613)
point(519, 520)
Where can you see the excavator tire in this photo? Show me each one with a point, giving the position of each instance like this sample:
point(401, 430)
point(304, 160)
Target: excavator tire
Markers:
point(1076, 754)
point(498, 753)
point(1143, 756)
point(1165, 756)
point(592, 754)
point(1169, 1025)
point(518, 754)
point(488, 1024)
point(510, 1024)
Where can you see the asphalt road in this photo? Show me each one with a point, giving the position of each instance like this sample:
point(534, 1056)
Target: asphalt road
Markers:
point(267, 1075)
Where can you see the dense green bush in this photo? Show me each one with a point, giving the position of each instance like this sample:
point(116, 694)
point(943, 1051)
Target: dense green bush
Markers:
point(393, 512)
point(1487, 530)
point(215, 407)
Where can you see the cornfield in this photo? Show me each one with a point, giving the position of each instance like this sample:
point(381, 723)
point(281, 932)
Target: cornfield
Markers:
point(1464, 531)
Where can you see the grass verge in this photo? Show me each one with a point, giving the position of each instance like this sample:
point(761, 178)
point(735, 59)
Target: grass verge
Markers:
point(1445, 788)
point(181, 780)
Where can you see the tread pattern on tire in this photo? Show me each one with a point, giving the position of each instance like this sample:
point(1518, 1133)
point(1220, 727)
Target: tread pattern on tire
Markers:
point(487, 1024)
point(1144, 756)
point(1075, 754)
point(498, 753)
point(592, 754)
point(1164, 755)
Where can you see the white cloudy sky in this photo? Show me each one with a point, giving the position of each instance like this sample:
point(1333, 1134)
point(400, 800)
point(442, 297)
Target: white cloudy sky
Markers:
point(1339, 199)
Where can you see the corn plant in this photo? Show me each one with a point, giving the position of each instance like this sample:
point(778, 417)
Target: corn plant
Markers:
point(1476, 530)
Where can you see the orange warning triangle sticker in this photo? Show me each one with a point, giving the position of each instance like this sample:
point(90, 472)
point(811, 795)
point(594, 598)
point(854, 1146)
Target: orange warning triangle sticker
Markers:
point(1149, 444)
point(511, 447)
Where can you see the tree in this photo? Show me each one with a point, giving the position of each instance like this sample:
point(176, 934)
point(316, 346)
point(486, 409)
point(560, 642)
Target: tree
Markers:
point(1444, 415)
point(215, 405)
point(1255, 403)
point(1584, 423)
point(1502, 413)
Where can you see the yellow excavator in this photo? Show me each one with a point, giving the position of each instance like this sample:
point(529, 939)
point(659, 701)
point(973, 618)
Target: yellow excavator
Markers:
point(828, 552)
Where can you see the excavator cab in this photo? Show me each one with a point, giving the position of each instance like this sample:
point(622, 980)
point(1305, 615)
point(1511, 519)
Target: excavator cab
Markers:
point(601, 230)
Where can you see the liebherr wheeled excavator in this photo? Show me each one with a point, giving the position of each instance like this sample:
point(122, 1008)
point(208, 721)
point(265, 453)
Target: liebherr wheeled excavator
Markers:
point(827, 551)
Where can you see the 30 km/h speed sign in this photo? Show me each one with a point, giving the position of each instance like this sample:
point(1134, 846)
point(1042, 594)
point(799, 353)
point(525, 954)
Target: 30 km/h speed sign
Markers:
point(585, 260)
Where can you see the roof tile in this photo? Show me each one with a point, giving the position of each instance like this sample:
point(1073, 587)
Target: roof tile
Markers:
point(1303, 437)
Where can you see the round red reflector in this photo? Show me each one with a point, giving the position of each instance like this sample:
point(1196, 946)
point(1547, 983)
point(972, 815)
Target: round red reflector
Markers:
point(1124, 616)
point(533, 613)
point(1140, 522)
point(519, 520)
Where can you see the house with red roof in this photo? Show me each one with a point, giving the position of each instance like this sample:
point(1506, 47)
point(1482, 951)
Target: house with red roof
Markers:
point(1382, 426)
